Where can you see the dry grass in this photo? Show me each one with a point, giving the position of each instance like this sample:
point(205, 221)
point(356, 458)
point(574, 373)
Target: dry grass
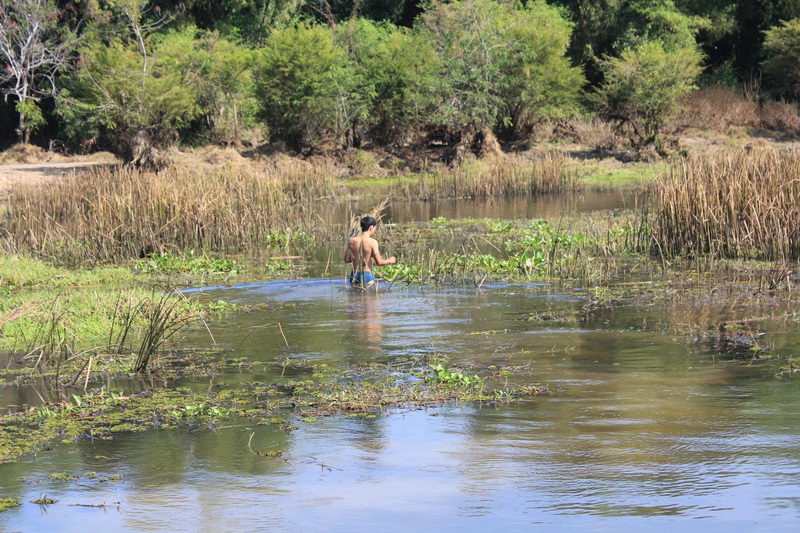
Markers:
point(107, 215)
point(597, 134)
point(502, 176)
point(721, 108)
point(717, 108)
point(27, 153)
point(740, 205)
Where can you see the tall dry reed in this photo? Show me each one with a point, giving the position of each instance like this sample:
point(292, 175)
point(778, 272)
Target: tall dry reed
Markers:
point(737, 205)
point(502, 176)
point(114, 214)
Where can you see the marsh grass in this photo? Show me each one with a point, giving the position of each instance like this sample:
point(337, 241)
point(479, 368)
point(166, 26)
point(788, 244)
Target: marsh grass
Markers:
point(504, 176)
point(743, 205)
point(107, 215)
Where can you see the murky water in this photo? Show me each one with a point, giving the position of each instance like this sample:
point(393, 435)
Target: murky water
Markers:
point(646, 431)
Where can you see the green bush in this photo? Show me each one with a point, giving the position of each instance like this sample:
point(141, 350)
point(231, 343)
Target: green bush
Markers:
point(538, 80)
point(469, 37)
point(222, 73)
point(782, 65)
point(503, 62)
point(307, 87)
point(642, 86)
point(117, 97)
point(403, 71)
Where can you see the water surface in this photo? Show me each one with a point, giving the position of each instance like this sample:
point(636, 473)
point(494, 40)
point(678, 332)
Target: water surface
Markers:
point(646, 430)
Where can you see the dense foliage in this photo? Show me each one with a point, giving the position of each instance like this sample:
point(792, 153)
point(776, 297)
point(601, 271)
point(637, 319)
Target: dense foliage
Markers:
point(308, 73)
point(642, 86)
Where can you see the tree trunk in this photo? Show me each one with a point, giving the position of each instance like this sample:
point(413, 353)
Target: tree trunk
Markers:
point(235, 126)
point(21, 133)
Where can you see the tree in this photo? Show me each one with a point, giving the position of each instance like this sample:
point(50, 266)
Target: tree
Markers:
point(503, 64)
point(782, 65)
point(125, 92)
point(308, 87)
point(33, 49)
point(403, 73)
point(607, 27)
point(468, 36)
point(538, 79)
point(221, 71)
point(642, 86)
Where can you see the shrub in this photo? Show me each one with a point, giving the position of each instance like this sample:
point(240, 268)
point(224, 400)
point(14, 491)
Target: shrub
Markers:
point(642, 87)
point(307, 86)
point(717, 108)
point(222, 73)
point(782, 65)
point(136, 106)
point(538, 80)
point(504, 63)
point(403, 71)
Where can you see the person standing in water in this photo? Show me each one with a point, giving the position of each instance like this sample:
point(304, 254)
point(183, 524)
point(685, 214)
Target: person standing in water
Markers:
point(362, 251)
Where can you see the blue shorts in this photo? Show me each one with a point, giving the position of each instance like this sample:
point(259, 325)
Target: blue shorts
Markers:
point(361, 278)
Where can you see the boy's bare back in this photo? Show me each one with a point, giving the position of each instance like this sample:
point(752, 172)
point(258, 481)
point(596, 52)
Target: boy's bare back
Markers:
point(362, 251)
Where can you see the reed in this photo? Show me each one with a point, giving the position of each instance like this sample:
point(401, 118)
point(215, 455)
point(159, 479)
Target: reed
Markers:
point(107, 215)
point(502, 176)
point(734, 205)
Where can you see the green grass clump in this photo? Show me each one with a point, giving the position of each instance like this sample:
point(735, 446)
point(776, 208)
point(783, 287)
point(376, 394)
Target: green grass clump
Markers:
point(19, 272)
point(44, 500)
point(63, 476)
point(85, 316)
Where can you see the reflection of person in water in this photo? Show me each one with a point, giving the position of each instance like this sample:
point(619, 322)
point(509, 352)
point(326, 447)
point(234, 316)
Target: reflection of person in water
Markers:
point(362, 250)
point(367, 319)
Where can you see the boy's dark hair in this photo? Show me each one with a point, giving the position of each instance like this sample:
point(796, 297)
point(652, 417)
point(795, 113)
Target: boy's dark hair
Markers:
point(368, 222)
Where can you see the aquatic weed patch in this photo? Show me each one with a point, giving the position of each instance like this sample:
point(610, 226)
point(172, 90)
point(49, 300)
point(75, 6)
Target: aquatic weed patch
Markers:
point(8, 503)
point(195, 263)
point(327, 391)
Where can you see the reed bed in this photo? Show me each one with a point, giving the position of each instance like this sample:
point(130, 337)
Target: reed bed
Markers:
point(731, 205)
point(107, 215)
point(502, 176)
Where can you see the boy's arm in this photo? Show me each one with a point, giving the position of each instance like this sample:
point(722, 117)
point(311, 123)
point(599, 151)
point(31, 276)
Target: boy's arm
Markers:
point(376, 253)
point(348, 257)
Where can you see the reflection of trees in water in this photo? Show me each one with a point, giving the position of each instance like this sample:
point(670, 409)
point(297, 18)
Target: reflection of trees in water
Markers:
point(367, 434)
point(635, 425)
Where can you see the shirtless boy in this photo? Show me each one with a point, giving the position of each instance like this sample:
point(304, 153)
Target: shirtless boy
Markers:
point(362, 251)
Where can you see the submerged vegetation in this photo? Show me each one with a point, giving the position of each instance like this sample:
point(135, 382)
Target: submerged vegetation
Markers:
point(329, 391)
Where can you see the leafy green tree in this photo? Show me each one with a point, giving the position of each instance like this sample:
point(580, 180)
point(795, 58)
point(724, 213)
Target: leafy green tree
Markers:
point(783, 57)
point(503, 64)
point(253, 20)
point(308, 88)
point(400, 12)
point(221, 74)
point(403, 73)
point(468, 35)
point(607, 27)
point(124, 93)
point(642, 86)
point(538, 81)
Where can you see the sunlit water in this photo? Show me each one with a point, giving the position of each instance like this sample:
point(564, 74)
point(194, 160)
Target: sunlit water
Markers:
point(645, 431)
